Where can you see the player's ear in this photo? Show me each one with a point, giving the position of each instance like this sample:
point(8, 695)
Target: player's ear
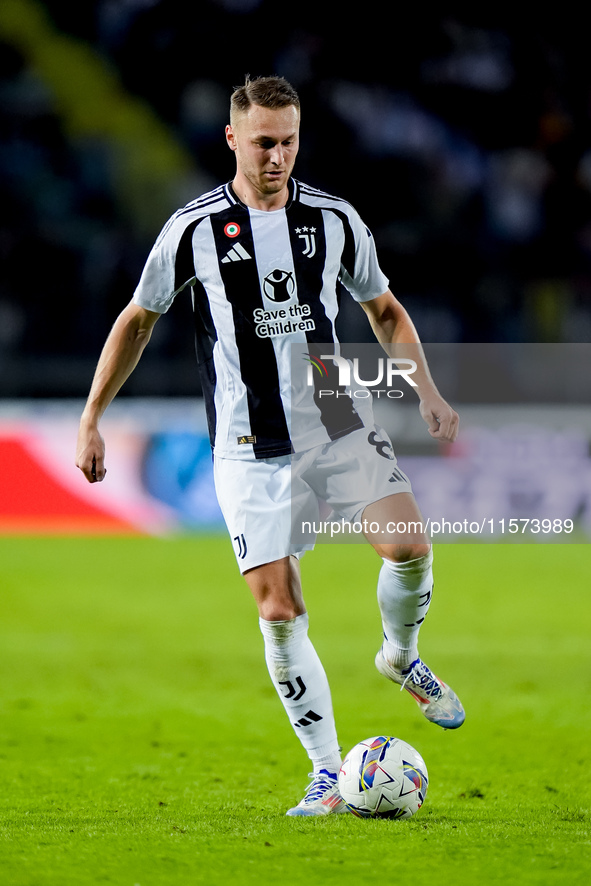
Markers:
point(230, 137)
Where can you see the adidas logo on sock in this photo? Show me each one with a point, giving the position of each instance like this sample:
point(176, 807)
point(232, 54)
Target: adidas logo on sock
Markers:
point(310, 717)
point(237, 253)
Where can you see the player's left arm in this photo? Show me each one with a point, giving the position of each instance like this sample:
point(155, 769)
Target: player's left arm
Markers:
point(392, 325)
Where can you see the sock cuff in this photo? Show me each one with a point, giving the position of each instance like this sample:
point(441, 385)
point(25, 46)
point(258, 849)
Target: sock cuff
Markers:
point(418, 566)
point(327, 757)
point(284, 632)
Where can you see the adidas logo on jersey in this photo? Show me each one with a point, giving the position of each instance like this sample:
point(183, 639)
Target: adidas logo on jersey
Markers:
point(236, 253)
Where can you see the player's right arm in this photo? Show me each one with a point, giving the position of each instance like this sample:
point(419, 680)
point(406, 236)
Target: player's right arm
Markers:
point(120, 355)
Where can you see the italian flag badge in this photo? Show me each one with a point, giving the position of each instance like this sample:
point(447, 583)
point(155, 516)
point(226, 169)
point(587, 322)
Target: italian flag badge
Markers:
point(232, 229)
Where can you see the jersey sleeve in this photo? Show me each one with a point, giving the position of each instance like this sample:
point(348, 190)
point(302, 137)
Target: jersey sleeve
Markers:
point(360, 271)
point(160, 281)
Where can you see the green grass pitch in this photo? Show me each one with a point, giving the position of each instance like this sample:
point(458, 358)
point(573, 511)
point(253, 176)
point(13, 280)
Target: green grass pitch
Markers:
point(141, 741)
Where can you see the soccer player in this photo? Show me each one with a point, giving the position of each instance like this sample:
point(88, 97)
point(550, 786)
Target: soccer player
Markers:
point(262, 244)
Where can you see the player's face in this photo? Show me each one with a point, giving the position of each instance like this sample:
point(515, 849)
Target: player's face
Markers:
point(266, 143)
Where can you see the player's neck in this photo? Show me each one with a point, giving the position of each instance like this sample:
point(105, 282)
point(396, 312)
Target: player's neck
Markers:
point(249, 195)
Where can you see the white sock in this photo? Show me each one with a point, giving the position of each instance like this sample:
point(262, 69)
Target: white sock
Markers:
point(404, 596)
point(302, 685)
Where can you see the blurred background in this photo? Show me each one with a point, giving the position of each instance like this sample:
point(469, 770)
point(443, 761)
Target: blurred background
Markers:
point(464, 141)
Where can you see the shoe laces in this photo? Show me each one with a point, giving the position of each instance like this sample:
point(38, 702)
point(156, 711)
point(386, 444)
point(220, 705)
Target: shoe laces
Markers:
point(421, 676)
point(321, 782)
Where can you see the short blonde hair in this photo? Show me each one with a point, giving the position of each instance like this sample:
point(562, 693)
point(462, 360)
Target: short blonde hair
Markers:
point(267, 92)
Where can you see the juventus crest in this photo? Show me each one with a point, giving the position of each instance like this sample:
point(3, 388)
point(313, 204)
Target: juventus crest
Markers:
point(308, 235)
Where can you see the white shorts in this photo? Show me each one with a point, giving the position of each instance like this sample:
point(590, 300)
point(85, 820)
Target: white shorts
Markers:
point(265, 501)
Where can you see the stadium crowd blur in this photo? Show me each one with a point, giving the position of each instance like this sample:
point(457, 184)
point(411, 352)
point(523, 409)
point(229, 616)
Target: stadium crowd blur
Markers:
point(464, 142)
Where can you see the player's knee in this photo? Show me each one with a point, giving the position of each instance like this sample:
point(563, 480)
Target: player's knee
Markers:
point(402, 553)
point(280, 604)
point(279, 610)
point(277, 590)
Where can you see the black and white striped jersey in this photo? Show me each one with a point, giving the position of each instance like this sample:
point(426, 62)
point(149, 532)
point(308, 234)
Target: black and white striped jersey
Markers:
point(264, 284)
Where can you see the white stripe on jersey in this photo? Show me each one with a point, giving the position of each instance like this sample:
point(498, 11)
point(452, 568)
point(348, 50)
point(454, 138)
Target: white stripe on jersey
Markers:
point(231, 407)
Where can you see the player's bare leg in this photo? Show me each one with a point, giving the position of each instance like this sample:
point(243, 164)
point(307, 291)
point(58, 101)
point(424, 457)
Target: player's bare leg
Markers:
point(277, 589)
point(299, 678)
point(405, 587)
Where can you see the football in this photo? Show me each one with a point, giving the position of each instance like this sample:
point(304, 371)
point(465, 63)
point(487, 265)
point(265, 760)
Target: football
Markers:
point(383, 777)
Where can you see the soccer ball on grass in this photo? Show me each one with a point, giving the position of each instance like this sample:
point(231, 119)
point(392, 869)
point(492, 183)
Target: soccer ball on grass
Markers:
point(383, 777)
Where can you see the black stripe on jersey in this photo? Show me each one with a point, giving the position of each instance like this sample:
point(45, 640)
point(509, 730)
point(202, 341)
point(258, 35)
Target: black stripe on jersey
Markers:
point(229, 192)
point(184, 263)
point(205, 331)
point(308, 246)
point(206, 199)
point(196, 205)
point(258, 364)
point(348, 255)
point(205, 339)
point(309, 191)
